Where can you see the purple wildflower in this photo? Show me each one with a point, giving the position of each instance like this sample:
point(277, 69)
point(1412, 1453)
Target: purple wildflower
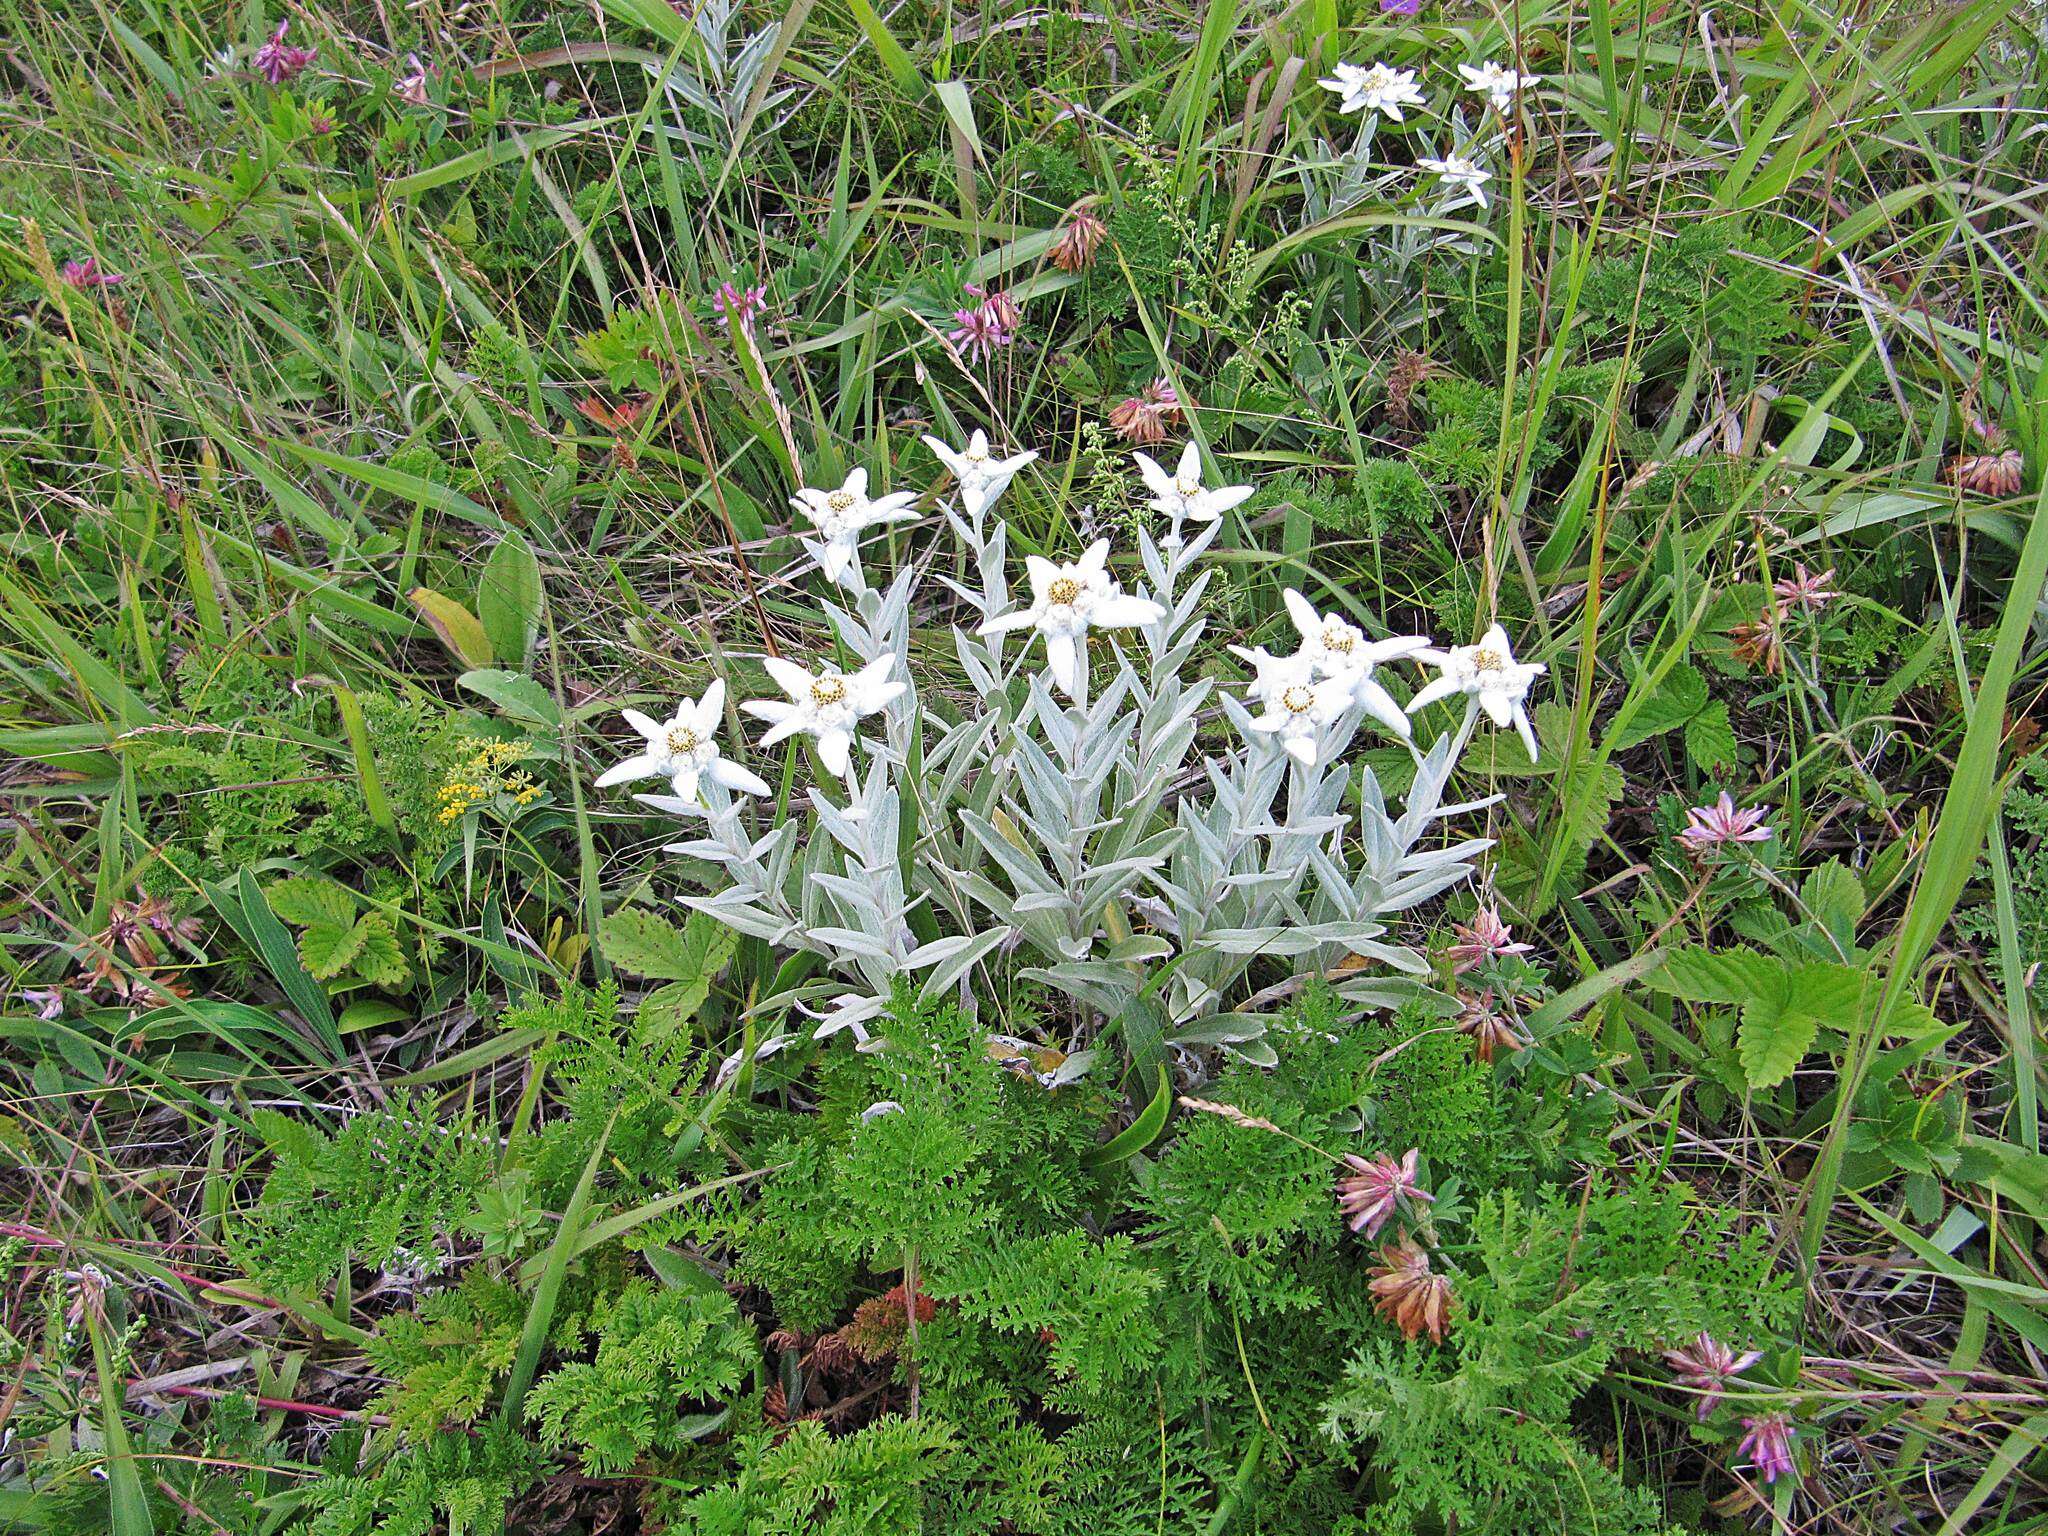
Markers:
point(412, 85)
point(277, 60)
point(1375, 1189)
point(1400, 7)
point(739, 305)
point(1810, 590)
point(1706, 1366)
point(1709, 826)
point(978, 333)
point(89, 274)
point(1485, 938)
point(1767, 1442)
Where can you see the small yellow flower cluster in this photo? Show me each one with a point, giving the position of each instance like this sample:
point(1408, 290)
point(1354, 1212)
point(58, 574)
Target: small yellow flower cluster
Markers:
point(485, 774)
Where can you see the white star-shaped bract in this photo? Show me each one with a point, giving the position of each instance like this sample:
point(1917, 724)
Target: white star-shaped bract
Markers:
point(1489, 677)
point(1374, 88)
point(1297, 704)
point(1498, 83)
point(683, 749)
point(1459, 172)
point(1335, 648)
point(1069, 600)
point(1181, 494)
point(826, 705)
point(983, 477)
point(842, 516)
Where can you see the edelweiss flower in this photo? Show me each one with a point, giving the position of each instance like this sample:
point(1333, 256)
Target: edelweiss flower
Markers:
point(1337, 648)
point(1707, 1366)
point(1380, 88)
point(1069, 600)
point(1489, 677)
point(1297, 705)
point(843, 515)
point(1181, 495)
point(1459, 172)
point(982, 476)
point(1498, 83)
point(683, 749)
point(827, 705)
point(1375, 1189)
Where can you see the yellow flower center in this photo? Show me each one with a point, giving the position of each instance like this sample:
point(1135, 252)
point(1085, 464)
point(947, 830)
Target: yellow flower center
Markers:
point(829, 689)
point(1297, 699)
point(682, 741)
point(1486, 659)
point(840, 501)
point(1064, 592)
point(1338, 638)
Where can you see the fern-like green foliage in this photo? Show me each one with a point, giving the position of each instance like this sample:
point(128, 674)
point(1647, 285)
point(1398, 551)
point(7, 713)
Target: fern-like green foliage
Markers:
point(1479, 1433)
point(445, 1360)
point(657, 1352)
point(390, 1180)
point(971, 1149)
point(460, 1483)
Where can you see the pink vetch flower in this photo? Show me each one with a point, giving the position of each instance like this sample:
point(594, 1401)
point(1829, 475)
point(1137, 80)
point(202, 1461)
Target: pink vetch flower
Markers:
point(1767, 1442)
point(1707, 1366)
point(1809, 590)
point(740, 305)
point(1709, 826)
point(1485, 938)
point(412, 85)
point(1144, 417)
point(277, 60)
point(992, 324)
point(1375, 1189)
point(88, 273)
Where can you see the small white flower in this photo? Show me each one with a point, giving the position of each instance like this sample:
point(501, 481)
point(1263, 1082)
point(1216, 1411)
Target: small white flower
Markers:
point(842, 516)
point(827, 705)
point(1380, 88)
point(683, 749)
point(1498, 83)
point(1459, 172)
point(1297, 706)
point(1335, 648)
point(1181, 494)
point(983, 477)
point(879, 1108)
point(1489, 677)
point(1069, 600)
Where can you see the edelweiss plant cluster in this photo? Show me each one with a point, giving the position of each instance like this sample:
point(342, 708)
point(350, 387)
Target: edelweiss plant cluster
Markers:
point(1020, 813)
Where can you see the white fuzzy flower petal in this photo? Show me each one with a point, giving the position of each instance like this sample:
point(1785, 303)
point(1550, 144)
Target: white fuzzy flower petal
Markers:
point(641, 766)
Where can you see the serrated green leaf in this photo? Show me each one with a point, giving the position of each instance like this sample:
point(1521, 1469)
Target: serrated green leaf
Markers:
point(1779, 1024)
point(1682, 695)
point(644, 943)
point(1710, 738)
point(670, 1009)
point(382, 961)
point(1772, 1041)
point(306, 899)
point(327, 949)
point(1717, 976)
